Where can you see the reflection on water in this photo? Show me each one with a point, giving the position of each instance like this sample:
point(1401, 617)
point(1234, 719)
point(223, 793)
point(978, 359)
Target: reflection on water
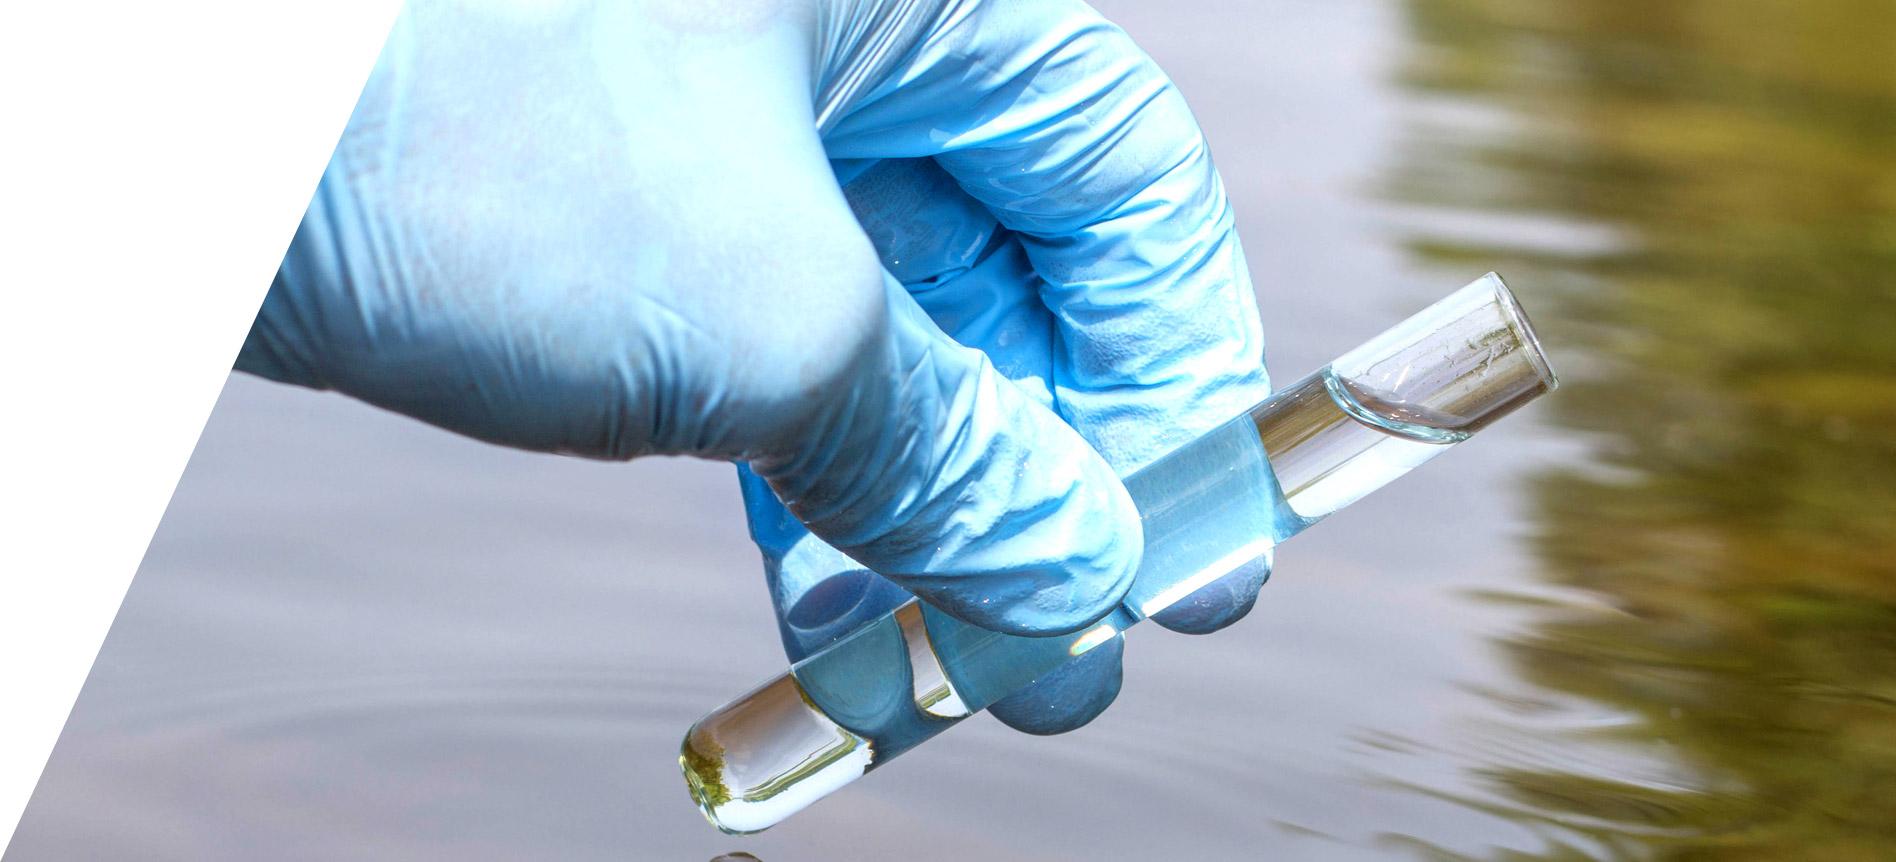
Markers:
point(1740, 513)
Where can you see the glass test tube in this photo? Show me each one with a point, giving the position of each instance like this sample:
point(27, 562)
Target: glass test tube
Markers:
point(1214, 507)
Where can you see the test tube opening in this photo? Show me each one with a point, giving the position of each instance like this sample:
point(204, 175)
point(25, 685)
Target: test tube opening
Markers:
point(1524, 330)
point(1452, 368)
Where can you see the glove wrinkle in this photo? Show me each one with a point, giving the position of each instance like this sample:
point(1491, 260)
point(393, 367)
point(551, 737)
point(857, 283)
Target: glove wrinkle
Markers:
point(945, 499)
point(859, 42)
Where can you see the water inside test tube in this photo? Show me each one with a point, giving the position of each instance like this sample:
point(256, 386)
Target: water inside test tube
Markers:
point(1212, 509)
point(1348, 441)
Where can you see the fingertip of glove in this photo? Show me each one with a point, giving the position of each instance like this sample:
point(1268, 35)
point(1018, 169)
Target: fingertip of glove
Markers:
point(1102, 540)
point(1068, 698)
point(1116, 534)
point(1219, 603)
point(1203, 618)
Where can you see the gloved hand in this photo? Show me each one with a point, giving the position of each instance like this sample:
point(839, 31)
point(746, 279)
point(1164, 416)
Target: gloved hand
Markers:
point(740, 231)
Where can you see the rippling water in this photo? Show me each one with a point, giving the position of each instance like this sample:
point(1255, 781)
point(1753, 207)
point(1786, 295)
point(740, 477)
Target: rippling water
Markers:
point(1653, 617)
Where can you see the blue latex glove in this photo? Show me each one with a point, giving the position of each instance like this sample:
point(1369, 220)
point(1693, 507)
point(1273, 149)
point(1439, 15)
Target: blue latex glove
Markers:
point(782, 233)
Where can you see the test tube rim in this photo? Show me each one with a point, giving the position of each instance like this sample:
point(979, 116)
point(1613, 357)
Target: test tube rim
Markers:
point(1523, 329)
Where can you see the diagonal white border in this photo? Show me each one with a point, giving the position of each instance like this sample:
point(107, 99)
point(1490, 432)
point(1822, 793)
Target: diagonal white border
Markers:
point(156, 159)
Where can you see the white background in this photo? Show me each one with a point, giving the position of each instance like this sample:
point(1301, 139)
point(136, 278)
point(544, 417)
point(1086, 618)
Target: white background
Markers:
point(155, 161)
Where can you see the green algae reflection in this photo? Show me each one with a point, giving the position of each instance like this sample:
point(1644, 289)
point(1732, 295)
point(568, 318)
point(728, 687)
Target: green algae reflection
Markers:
point(1730, 168)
